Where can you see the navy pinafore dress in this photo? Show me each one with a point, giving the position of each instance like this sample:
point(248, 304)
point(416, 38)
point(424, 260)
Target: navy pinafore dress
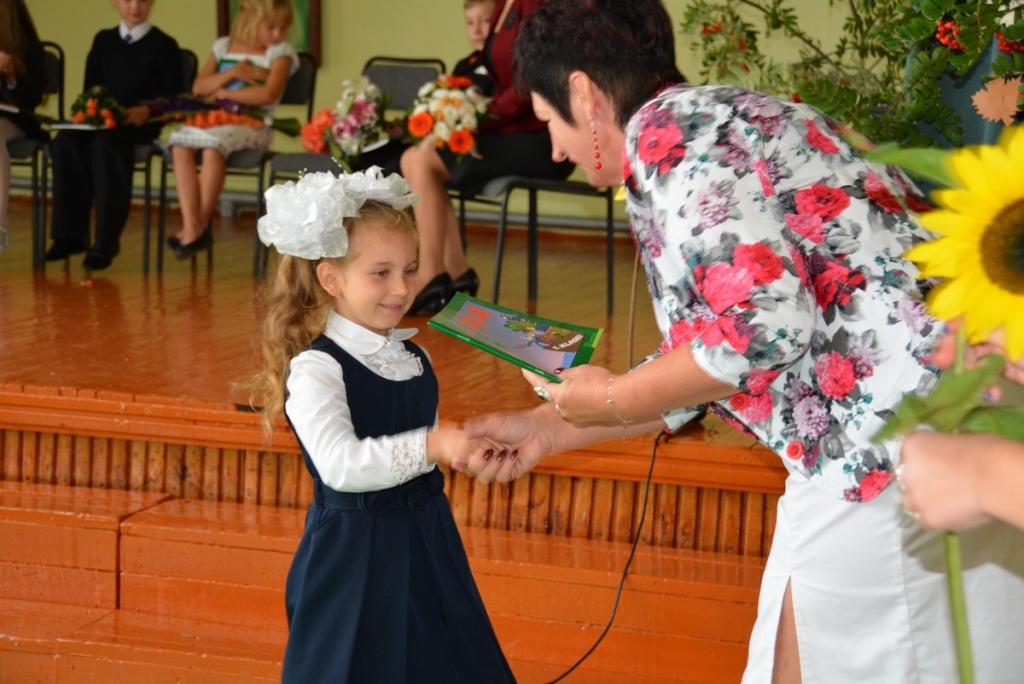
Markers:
point(380, 589)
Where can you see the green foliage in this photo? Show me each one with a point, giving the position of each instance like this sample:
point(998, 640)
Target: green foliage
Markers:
point(881, 78)
point(956, 404)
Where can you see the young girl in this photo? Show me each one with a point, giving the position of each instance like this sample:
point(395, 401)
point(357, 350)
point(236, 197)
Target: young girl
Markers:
point(251, 67)
point(380, 588)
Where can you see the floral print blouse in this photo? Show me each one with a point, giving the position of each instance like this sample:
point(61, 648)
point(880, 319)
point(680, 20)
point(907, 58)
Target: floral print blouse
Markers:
point(775, 254)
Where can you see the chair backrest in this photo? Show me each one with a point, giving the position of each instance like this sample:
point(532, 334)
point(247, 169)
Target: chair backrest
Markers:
point(302, 84)
point(53, 74)
point(189, 69)
point(402, 77)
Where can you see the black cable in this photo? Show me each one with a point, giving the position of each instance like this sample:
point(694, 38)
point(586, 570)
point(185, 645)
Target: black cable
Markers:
point(625, 570)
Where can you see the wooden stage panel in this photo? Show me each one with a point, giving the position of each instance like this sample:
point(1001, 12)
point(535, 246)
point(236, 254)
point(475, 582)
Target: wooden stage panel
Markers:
point(128, 381)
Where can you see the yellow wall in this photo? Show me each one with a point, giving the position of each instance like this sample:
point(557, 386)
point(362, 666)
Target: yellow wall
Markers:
point(353, 31)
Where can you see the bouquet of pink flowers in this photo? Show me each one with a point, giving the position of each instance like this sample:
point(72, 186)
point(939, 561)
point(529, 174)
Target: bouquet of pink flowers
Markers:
point(352, 126)
point(447, 111)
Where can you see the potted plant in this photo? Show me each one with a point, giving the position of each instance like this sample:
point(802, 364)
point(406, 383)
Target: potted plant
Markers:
point(904, 72)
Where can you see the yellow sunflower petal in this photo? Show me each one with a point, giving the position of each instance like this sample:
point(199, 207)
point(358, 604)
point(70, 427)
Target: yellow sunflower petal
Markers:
point(949, 300)
point(954, 224)
point(944, 261)
point(1014, 331)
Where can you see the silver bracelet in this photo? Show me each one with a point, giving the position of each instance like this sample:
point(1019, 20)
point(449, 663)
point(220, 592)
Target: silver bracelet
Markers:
point(611, 402)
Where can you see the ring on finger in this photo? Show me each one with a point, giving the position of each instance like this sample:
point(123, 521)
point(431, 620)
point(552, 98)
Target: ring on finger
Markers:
point(542, 392)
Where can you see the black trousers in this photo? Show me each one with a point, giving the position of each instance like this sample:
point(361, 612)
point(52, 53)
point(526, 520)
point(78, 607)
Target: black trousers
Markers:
point(95, 166)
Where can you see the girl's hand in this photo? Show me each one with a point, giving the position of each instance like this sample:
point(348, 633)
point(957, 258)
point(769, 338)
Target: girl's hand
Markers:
point(6, 65)
point(453, 446)
point(247, 72)
point(582, 396)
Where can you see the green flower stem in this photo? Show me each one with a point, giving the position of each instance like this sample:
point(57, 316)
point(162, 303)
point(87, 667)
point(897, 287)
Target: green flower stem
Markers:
point(958, 608)
point(954, 567)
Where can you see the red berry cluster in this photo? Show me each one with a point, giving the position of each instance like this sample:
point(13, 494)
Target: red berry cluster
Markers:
point(947, 33)
point(1008, 45)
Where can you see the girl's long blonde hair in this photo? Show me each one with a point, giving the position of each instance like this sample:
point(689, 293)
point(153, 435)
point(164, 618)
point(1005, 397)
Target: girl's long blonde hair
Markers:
point(252, 12)
point(297, 307)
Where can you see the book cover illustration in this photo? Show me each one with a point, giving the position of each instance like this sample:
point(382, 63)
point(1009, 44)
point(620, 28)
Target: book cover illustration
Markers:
point(537, 344)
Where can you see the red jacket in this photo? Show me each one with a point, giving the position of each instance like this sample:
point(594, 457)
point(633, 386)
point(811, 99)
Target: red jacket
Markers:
point(513, 112)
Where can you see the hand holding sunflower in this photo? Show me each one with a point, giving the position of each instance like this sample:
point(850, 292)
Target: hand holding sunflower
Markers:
point(979, 258)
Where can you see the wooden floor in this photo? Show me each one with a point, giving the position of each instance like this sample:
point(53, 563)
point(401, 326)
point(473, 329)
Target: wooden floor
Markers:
point(191, 332)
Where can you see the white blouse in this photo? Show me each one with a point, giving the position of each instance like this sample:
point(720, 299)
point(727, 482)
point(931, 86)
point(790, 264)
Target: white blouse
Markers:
point(318, 408)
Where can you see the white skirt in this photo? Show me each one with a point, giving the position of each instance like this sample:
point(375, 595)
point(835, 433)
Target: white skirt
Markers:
point(870, 596)
point(224, 139)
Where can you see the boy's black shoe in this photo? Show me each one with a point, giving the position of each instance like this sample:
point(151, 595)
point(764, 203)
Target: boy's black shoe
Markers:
point(62, 249)
point(97, 261)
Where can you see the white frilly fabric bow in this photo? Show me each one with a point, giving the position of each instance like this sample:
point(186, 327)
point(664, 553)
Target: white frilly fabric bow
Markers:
point(306, 218)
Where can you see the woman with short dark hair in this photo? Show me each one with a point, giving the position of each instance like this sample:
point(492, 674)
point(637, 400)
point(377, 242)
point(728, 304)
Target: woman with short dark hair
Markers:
point(773, 257)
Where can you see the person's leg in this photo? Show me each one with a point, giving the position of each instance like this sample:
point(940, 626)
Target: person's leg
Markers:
point(211, 182)
point(426, 172)
point(113, 164)
point(8, 132)
point(786, 669)
point(186, 180)
point(73, 191)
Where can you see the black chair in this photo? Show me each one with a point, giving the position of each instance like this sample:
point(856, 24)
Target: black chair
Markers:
point(402, 77)
point(144, 156)
point(32, 153)
point(300, 90)
point(289, 167)
point(499, 190)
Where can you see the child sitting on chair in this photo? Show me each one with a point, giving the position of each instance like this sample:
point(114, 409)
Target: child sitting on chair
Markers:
point(136, 62)
point(251, 67)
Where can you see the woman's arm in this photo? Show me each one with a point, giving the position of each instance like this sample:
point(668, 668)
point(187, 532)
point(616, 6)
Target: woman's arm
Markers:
point(959, 481)
point(580, 414)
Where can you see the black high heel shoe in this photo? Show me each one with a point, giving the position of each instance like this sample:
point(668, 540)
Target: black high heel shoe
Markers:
point(468, 282)
point(433, 297)
point(183, 251)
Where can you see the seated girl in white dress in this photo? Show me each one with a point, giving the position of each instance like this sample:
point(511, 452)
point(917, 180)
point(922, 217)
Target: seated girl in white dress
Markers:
point(250, 67)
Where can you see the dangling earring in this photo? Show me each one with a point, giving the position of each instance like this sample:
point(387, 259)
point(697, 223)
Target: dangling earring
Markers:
point(597, 146)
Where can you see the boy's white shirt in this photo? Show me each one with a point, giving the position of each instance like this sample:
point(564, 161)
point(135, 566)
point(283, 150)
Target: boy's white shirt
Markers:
point(318, 407)
point(136, 33)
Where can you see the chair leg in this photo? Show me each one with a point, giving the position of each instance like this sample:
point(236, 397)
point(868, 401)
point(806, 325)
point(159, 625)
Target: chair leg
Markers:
point(499, 248)
point(610, 230)
point(37, 217)
point(531, 291)
point(39, 246)
point(147, 201)
point(161, 221)
point(462, 222)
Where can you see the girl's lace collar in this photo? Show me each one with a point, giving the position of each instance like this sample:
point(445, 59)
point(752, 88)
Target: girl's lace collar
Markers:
point(384, 355)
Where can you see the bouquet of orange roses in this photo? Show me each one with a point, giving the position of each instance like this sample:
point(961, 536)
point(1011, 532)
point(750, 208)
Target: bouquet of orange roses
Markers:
point(447, 111)
point(97, 107)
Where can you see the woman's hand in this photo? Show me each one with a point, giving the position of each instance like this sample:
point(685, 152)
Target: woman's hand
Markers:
point(939, 475)
point(7, 65)
point(525, 431)
point(582, 396)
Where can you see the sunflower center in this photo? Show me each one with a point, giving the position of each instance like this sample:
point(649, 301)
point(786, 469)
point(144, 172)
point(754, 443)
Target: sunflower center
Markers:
point(1002, 249)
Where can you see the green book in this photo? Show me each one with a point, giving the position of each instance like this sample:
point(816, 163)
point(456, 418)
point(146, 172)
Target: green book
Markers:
point(537, 344)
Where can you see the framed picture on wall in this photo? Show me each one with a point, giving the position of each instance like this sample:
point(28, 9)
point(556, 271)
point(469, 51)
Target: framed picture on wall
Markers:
point(305, 31)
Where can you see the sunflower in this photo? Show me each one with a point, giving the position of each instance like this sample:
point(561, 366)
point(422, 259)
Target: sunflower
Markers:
point(980, 251)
